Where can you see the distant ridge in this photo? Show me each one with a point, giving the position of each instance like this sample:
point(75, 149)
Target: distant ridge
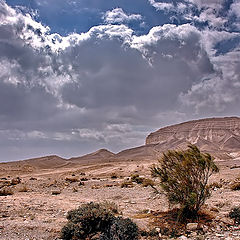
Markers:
point(99, 155)
point(218, 136)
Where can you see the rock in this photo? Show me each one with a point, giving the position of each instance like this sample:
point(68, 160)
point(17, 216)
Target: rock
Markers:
point(182, 237)
point(192, 226)
point(213, 134)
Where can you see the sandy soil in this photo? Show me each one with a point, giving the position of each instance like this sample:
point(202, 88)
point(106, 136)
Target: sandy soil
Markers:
point(33, 212)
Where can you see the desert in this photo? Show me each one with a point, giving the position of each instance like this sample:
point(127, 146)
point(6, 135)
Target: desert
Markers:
point(43, 190)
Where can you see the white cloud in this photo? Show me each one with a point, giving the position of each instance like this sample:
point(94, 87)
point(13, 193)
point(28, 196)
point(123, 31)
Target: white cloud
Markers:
point(162, 6)
point(218, 92)
point(117, 15)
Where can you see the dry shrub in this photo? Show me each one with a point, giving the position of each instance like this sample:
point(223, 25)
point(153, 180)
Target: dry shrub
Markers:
point(23, 189)
point(6, 191)
point(71, 179)
point(84, 179)
point(81, 184)
point(95, 187)
point(127, 184)
point(235, 214)
point(137, 179)
point(5, 183)
point(15, 181)
point(215, 185)
point(114, 175)
point(32, 178)
point(97, 221)
point(75, 190)
point(235, 186)
point(148, 182)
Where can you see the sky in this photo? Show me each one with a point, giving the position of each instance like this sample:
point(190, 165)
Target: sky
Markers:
point(80, 75)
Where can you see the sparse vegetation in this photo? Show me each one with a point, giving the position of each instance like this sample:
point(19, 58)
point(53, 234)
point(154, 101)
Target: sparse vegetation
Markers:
point(235, 186)
point(215, 185)
point(6, 191)
point(15, 181)
point(148, 182)
point(98, 218)
point(127, 184)
point(136, 178)
point(81, 184)
point(121, 228)
point(114, 175)
point(235, 214)
point(23, 188)
point(84, 179)
point(184, 176)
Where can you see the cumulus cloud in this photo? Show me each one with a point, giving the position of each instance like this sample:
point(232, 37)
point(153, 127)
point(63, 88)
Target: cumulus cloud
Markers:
point(117, 15)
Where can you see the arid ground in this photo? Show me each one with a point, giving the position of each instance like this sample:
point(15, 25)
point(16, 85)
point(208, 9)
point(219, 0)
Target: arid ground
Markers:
point(38, 206)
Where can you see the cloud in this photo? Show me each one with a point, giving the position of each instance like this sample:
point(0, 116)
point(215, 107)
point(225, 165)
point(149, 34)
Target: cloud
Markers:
point(108, 86)
point(162, 6)
point(117, 15)
point(218, 92)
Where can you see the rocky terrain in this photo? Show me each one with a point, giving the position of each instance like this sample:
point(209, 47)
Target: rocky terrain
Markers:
point(42, 190)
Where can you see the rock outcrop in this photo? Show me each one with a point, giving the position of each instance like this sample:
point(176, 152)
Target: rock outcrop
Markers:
point(212, 134)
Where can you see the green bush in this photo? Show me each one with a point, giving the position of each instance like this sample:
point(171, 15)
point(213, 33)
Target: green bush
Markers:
point(235, 214)
point(121, 229)
point(88, 219)
point(184, 176)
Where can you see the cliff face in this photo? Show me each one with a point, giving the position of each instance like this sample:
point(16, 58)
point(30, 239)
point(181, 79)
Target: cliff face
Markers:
point(213, 134)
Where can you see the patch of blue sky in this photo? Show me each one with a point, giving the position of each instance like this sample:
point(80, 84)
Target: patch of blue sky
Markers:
point(65, 17)
point(226, 46)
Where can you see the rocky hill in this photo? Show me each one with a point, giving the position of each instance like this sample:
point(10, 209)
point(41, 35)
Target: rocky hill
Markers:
point(213, 135)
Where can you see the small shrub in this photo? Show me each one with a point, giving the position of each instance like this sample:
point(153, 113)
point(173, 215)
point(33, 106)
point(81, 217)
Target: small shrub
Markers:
point(15, 181)
point(136, 178)
point(84, 179)
point(81, 184)
point(215, 185)
point(184, 176)
point(121, 228)
point(32, 178)
point(126, 184)
point(235, 186)
point(111, 206)
point(23, 189)
point(108, 185)
point(148, 182)
point(235, 214)
point(114, 176)
point(88, 219)
point(75, 190)
point(6, 191)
